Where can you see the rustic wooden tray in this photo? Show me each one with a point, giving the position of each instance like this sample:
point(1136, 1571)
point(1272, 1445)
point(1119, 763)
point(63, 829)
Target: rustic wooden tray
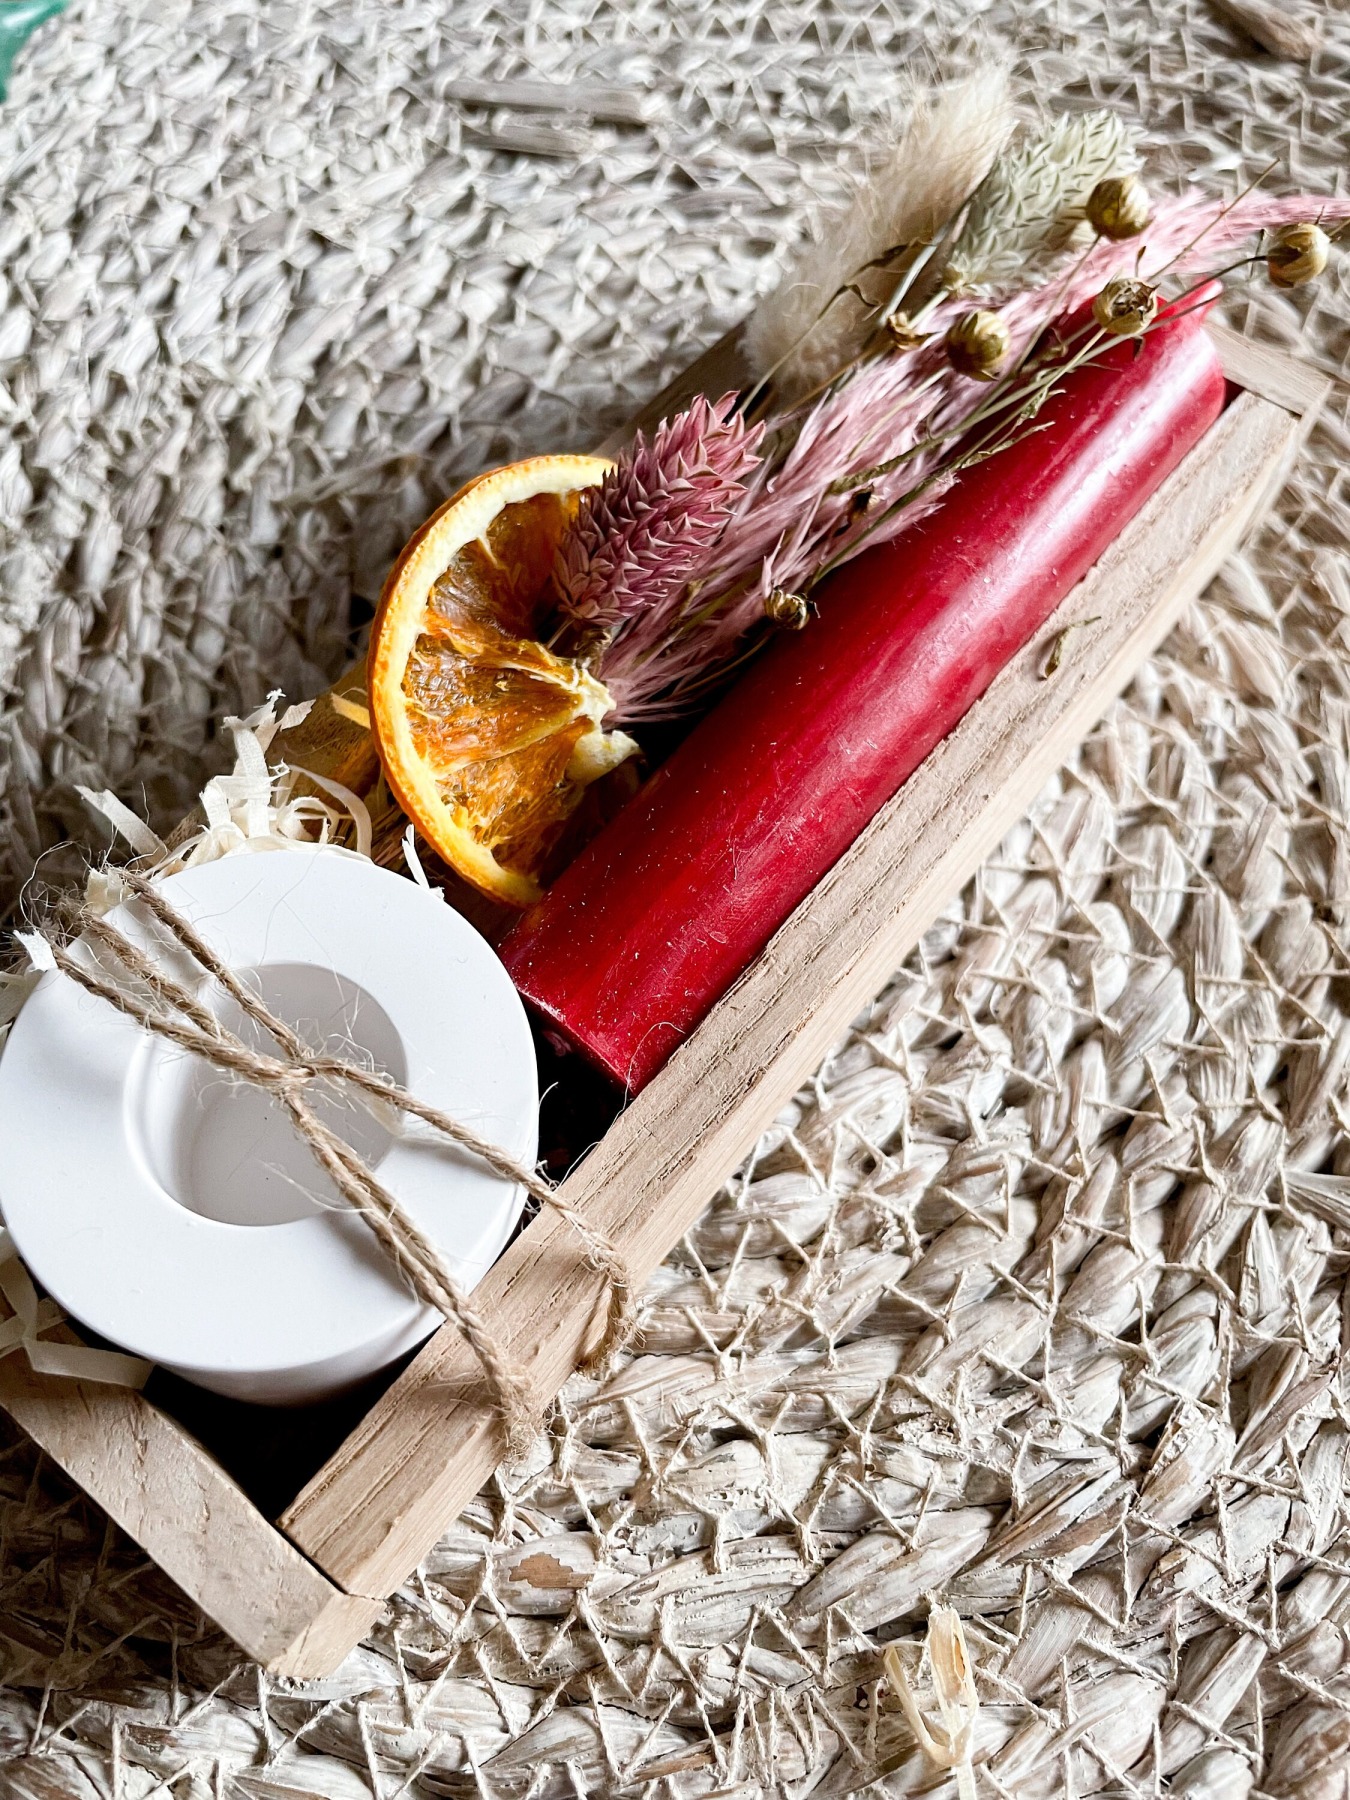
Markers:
point(298, 1592)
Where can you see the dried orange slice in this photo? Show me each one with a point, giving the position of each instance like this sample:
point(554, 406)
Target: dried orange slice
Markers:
point(487, 738)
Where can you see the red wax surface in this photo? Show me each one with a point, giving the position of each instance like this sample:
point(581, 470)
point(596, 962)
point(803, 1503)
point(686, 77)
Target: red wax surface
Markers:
point(652, 923)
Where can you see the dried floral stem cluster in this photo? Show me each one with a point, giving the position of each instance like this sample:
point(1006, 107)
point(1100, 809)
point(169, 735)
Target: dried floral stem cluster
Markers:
point(876, 395)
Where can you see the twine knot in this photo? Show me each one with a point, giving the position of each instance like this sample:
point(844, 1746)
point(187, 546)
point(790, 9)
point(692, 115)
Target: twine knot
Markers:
point(161, 1005)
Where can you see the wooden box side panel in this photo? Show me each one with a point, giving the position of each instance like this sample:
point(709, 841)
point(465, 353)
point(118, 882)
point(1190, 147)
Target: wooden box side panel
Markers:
point(180, 1506)
point(426, 1447)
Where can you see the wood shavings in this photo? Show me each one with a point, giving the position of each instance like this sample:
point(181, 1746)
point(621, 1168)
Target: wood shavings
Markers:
point(357, 711)
point(256, 807)
point(953, 1682)
point(32, 1317)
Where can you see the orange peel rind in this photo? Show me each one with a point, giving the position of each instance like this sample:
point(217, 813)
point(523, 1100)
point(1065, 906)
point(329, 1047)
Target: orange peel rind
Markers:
point(488, 738)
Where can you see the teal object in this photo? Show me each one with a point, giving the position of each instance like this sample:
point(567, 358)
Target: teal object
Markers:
point(19, 19)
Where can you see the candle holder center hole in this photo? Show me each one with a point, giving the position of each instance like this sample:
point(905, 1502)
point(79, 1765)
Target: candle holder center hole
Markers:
point(227, 1150)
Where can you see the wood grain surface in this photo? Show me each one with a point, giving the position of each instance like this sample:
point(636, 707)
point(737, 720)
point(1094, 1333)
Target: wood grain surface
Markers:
point(180, 1506)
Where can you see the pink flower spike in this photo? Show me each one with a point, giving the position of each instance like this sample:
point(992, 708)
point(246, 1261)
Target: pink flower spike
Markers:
point(643, 534)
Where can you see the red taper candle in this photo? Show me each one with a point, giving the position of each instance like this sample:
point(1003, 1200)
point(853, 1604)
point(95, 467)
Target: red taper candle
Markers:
point(655, 920)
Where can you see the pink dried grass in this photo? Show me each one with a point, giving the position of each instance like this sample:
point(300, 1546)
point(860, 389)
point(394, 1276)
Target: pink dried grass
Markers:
point(645, 531)
point(788, 523)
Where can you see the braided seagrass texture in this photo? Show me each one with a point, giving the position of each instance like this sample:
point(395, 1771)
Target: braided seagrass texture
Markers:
point(1033, 1300)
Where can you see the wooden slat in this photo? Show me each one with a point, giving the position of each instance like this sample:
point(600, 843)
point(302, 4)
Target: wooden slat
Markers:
point(430, 1442)
point(1258, 369)
point(180, 1506)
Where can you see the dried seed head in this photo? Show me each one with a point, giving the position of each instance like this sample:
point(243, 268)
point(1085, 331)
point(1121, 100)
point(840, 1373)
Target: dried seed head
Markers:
point(902, 333)
point(789, 611)
point(1118, 207)
point(1125, 307)
point(1297, 254)
point(978, 345)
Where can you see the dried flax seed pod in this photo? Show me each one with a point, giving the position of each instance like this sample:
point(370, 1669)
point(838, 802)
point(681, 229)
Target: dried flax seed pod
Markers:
point(1118, 208)
point(1125, 307)
point(787, 610)
point(978, 344)
point(1298, 254)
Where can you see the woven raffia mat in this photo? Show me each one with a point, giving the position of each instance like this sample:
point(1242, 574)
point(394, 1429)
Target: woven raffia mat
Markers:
point(1034, 1298)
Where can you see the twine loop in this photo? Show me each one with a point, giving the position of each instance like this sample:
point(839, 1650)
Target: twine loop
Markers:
point(164, 1007)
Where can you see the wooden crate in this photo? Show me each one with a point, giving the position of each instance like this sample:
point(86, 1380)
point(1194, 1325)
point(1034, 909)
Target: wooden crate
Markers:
point(297, 1594)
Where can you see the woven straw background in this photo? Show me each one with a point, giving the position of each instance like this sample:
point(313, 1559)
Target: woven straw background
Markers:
point(1034, 1299)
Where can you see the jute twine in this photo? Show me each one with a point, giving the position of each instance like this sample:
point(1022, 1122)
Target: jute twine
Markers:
point(160, 1005)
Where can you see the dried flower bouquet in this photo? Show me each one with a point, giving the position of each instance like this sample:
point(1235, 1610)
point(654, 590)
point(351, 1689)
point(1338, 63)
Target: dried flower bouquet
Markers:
point(977, 267)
